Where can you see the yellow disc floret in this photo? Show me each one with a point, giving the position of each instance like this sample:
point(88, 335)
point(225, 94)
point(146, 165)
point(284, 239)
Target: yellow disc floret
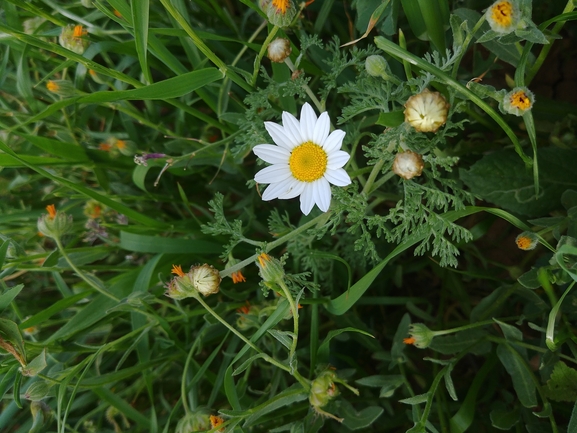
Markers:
point(281, 5)
point(502, 13)
point(520, 100)
point(308, 162)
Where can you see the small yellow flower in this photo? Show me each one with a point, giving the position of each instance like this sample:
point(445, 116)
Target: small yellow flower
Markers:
point(72, 38)
point(79, 31)
point(216, 421)
point(52, 86)
point(426, 111)
point(238, 277)
point(419, 335)
point(54, 224)
point(177, 270)
point(503, 16)
point(279, 12)
point(281, 5)
point(518, 101)
point(408, 164)
point(526, 241)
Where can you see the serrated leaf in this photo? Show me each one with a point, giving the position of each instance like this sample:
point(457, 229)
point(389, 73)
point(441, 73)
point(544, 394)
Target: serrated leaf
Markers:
point(502, 178)
point(562, 386)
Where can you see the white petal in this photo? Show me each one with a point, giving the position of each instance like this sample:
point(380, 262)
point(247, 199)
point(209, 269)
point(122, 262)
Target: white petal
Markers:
point(322, 128)
point(337, 159)
point(294, 189)
point(271, 153)
point(338, 177)
point(308, 122)
point(322, 194)
point(334, 141)
point(273, 174)
point(307, 199)
point(292, 128)
point(279, 135)
point(274, 190)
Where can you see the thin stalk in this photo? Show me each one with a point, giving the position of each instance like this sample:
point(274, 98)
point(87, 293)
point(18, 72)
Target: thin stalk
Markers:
point(466, 45)
point(263, 48)
point(266, 357)
point(272, 245)
point(374, 173)
point(308, 90)
point(295, 313)
point(81, 274)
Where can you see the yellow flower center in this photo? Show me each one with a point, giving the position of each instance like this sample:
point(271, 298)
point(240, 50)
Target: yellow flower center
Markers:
point(520, 100)
point(281, 5)
point(502, 13)
point(308, 162)
point(52, 86)
point(524, 243)
point(51, 211)
point(263, 258)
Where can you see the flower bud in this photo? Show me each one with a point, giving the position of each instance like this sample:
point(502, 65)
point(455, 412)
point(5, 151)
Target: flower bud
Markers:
point(408, 164)
point(517, 101)
point(279, 49)
point(426, 111)
point(279, 12)
point(72, 38)
point(420, 336)
point(323, 389)
point(61, 87)
point(377, 66)
point(216, 421)
point(503, 16)
point(203, 279)
point(271, 270)
point(194, 422)
point(527, 241)
point(55, 223)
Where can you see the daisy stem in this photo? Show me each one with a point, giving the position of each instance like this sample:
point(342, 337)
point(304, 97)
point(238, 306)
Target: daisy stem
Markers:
point(263, 48)
point(266, 357)
point(371, 180)
point(272, 245)
point(295, 312)
point(308, 90)
point(89, 281)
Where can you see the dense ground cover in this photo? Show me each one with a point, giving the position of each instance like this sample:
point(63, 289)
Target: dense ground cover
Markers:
point(276, 216)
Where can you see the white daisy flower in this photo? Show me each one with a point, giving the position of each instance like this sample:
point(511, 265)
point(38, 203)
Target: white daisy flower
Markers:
point(305, 160)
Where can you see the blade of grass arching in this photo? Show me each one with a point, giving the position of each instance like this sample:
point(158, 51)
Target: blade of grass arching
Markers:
point(140, 15)
point(396, 51)
point(199, 43)
point(38, 12)
point(55, 308)
point(69, 151)
point(156, 244)
point(436, 16)
point(323, 15)
point(124, 9)
point(412, 9)
point(119, 207)
point(24, 160)
point(57, 49)
point(344, 302)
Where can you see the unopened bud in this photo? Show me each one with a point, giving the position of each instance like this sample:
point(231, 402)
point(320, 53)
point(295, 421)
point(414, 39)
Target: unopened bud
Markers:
point(271, 270)
point(419, 335)
point(408, 164)
point(55, 223)
point(426, 111)
point(72, 38)
point(203, 279)
point(377, 66)
point(279, 49)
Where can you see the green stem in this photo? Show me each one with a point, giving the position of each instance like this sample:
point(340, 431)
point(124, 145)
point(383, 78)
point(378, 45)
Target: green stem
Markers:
point(295, 313)
point(81, 274)
point(374, 173)
point(466, 45)
point(266, 357)
point(263, 49)
point(308, 90)
point(272, 245)
point(569, 7)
